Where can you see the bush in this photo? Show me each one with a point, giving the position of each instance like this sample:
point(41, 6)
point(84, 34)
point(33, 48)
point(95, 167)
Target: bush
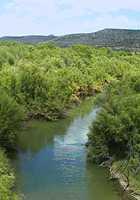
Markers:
point(116, 131)
point(11, 116)
point(7, 179)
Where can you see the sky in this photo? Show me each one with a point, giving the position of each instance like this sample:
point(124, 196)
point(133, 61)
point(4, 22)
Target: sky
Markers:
point(59, 17)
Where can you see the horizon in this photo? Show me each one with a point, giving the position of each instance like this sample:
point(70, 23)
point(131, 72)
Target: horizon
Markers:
point(61, 35)
point(24, 17)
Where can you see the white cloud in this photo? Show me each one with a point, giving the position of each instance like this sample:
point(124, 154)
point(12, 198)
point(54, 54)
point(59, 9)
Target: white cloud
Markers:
point(105, 5)
point(53, 7)
point(65, 16)
point(110, 21)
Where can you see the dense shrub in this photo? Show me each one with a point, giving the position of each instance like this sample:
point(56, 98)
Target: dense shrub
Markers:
point(7, 179)
point(11, 116)
point(46, 80)
point(116, 131)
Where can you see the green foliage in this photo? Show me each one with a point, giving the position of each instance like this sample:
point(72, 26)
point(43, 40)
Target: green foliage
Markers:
point(44, 81)
point(116, 131)
point(11, 116)
point(7, 179)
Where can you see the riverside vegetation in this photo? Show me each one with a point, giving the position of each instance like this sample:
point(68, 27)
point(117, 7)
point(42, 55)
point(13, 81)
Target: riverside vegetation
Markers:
point(43, 81)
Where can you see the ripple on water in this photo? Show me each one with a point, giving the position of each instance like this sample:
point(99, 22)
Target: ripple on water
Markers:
point(51, 164)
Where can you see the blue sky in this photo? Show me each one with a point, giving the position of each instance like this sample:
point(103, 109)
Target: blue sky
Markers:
point(23, 17)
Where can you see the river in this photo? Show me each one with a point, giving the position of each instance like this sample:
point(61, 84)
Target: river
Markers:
point(51, 161)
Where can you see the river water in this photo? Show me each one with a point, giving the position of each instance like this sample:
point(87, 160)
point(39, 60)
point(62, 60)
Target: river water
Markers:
point(51, 162)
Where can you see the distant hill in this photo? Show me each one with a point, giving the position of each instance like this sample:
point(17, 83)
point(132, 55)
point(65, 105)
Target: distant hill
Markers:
point(29, 38)
point(114, 38)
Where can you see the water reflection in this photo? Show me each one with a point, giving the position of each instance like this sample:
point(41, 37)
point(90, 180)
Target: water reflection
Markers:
point(51, 163)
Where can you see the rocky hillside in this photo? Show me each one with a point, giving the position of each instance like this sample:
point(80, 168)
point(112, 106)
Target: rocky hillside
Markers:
point(115, 38)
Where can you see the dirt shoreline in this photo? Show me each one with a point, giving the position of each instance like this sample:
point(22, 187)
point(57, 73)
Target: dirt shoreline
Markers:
point(132, 195)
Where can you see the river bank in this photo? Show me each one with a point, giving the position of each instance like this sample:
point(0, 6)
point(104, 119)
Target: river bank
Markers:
point(53, 163)
point(132, 190)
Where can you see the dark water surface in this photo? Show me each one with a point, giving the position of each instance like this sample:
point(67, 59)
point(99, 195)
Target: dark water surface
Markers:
point(51, 163)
